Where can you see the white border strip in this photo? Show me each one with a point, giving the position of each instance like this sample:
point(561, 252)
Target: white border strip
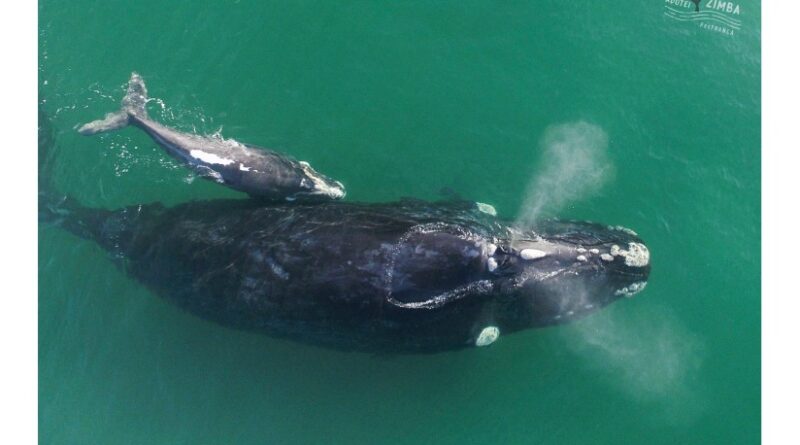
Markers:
point(780, 297)
point(18, 317)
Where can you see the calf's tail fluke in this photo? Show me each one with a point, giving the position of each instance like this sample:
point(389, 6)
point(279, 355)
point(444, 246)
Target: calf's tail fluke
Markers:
point(133, 104)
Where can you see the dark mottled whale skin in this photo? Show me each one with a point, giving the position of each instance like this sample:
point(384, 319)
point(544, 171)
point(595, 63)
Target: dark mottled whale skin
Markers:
point(256, 171)
point(408, 276)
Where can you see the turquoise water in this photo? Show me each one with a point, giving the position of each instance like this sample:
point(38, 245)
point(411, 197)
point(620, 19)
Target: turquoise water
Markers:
point(403, 99)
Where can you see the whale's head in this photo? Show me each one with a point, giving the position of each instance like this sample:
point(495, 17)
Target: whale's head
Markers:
point(562, 271)
point(314, 184)
point(499, 278)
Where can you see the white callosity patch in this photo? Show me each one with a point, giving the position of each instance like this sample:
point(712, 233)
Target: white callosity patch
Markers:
point(320, 186)
point(488, 335)
point(489, 250)
point(632, 289)
point(532, 254)
point(606, 257)
point(486, 208)
point(594, 251)
point(243, 168)
point(637, 254)
point(209, 158)
point(581, 258)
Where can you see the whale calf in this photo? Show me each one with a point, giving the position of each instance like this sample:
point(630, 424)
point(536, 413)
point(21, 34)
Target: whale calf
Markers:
point(256, 171)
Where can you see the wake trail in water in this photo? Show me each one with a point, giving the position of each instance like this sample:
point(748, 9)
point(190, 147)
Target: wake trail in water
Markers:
point(574, 165)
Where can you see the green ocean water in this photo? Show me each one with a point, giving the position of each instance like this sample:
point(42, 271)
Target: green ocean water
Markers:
point(400, 99)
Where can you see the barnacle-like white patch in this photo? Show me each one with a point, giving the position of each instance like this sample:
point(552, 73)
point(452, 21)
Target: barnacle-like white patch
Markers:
point(632, 289)
point(490, 249)
point(488, 335)
point(581, 258)
point(209, 158)
point(491, 264)
point(581, 250)
point(637, 254)
point(594, 251)
point(321, 187)
point(486, 208)
point(532, 254)
point(244, 168)
point(606, 257)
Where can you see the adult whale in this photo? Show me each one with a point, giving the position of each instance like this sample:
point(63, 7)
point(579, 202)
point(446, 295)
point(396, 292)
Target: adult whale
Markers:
point(408, 276)
point(256, 171)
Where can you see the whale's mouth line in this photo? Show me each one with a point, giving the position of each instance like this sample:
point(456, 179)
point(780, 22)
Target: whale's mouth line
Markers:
point(478, 286)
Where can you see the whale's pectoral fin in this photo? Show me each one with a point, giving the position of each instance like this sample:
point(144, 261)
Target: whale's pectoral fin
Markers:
point(209, 173)
point(486, 208)
point(453, 197)
point(133, 104)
